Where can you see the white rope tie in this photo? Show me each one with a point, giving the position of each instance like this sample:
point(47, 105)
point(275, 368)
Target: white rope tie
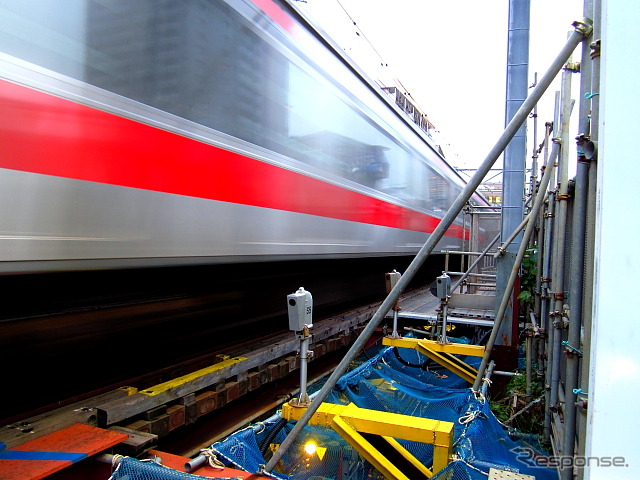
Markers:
point(211, 457)
point(469, 417)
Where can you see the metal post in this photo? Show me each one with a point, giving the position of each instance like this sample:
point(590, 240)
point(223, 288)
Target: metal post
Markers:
point(443, 335)
point(577, 262)
point(487, 378)
point(550, 302)
point(534, 156)
point(513, 174)
point(590, 226)
point(561, 228)
point(578, 35)
point(303, 399)
point(473, 243)
point(390, 280)
point(542, 255)
point(528, 360)
point(541, 230)
point(546, 303)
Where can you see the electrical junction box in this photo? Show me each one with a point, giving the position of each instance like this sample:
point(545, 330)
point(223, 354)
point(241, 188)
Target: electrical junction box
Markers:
point(300, 308)
point(390, 280)
point(443, 286)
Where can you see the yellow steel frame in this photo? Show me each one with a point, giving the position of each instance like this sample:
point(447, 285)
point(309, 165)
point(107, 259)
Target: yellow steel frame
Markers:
point(355, 424)
point(442, 353)
point(452, 348)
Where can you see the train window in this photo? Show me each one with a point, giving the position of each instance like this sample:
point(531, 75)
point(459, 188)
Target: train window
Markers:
point(202, 61)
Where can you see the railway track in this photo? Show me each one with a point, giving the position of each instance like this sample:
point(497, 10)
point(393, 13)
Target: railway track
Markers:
point(206, 385)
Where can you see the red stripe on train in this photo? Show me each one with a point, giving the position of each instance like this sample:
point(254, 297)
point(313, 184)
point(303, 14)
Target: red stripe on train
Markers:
point(276, 14)
point(45, 134)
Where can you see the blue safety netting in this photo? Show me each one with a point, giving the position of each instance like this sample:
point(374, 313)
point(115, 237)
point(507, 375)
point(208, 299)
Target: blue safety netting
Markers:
point(398, 381)
point(134, 469)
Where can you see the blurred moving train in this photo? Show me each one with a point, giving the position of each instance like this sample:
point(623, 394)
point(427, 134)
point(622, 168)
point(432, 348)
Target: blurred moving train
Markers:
point(158, 132)
point(210, 156)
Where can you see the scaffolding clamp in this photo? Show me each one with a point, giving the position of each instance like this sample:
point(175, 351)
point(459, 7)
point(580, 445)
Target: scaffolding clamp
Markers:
point(570, 349)
point(595, 49)
point(584, 27)
point(573, 67)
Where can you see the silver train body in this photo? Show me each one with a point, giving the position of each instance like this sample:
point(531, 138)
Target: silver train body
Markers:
point(162, 132)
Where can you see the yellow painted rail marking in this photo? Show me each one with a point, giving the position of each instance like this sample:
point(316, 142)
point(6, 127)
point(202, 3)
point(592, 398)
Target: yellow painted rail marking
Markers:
point(176, 382)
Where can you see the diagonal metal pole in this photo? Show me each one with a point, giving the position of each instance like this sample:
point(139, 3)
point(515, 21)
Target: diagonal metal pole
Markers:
point(521, 115)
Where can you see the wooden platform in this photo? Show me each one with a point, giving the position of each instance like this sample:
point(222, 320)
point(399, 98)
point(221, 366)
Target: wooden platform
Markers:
point(51, 453)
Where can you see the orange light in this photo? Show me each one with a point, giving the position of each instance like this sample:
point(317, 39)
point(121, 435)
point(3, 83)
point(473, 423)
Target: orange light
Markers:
point(310, 448)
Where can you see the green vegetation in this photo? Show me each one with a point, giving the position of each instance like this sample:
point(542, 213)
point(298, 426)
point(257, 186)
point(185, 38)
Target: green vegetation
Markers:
point(514, 400)
point(529, 271)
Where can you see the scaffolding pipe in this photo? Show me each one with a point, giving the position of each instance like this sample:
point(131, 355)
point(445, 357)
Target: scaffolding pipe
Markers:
point(579, 34)
point(457, 252)
point(560, 250)
point(551, 331)
point(480, 275)
point(538, 298)
point(534, 156)
point(528, 363)
point(506, 297)
point(590, 226)
point(577, 261)
point(487, 379)
point(547, 352)
point(575, 316)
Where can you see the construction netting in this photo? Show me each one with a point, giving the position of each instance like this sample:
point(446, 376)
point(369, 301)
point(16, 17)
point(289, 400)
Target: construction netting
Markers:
point(397, 381)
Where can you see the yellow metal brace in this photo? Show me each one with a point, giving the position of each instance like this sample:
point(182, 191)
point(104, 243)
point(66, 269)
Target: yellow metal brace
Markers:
point(373, 434)
point(442, 353)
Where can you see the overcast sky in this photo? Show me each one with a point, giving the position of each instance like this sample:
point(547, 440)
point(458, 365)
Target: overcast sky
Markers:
point(450, 56)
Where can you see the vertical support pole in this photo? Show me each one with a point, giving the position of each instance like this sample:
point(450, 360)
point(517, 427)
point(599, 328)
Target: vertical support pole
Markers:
point(304, 360)
point(513, 176)
point(517, 86)
point(545, 308)
point(558, 285)
point(589, 268)
point(534, 156)
point(541, 230)
point(390, 280)
point(528, 358)
point(473, 247)
point(550, 301)
point(577, 261)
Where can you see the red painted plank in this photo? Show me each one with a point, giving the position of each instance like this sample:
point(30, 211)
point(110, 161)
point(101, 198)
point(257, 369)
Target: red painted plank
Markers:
point(77, 441)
